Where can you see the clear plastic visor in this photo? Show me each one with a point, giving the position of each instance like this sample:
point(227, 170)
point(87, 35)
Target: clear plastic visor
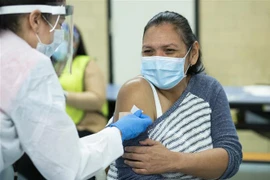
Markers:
point(60, 18)
point(64, 61)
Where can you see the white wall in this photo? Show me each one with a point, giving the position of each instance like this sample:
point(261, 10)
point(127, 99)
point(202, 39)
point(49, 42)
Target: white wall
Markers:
point(128, 20)
point(234, 38)
point(91, 18)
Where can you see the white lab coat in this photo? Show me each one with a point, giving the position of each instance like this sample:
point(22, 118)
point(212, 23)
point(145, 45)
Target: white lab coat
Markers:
point(33, 118)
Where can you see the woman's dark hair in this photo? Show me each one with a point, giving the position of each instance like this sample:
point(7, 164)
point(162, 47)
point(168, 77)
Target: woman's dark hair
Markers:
point(11, 21)
point(182, 26)
point(81, 48)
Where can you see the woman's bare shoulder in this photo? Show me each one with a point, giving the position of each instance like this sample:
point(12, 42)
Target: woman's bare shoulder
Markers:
point(137, 84)
point(138, 92)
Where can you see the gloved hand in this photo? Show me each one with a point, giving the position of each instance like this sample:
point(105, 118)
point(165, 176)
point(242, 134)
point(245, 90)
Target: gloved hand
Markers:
point(132, 125)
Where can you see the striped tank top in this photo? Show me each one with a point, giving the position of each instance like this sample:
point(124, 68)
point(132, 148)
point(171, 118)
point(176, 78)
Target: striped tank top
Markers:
point(185, 127)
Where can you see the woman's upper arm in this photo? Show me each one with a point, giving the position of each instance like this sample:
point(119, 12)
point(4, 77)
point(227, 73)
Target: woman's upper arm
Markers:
point(135, 92)
point(94, 81)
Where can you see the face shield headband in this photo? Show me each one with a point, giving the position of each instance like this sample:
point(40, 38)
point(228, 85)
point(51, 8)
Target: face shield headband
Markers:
point(22, 9)
point(66, 11)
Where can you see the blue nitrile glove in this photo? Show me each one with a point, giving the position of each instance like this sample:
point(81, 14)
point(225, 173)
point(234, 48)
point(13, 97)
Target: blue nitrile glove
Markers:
point(132, 125)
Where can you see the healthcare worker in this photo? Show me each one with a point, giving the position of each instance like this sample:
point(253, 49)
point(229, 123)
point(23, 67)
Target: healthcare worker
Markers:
point(32, 106)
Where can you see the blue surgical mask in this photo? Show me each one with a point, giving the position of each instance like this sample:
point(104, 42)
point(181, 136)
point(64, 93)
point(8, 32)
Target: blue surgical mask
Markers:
point(48, 49)
point(163, 72)
point(58, 38)
point(61, 52)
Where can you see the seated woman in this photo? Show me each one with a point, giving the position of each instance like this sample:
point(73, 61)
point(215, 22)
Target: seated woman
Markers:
point(193, 136)
point(85, 88)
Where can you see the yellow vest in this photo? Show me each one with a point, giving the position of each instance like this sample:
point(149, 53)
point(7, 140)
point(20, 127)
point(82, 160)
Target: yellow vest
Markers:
point(75, 83)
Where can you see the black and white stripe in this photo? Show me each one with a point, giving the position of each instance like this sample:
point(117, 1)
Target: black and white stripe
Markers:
point(187, 129)
point(112, 174)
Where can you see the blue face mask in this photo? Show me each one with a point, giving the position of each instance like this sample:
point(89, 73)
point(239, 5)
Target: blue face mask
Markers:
point(163, 72)
point(49, 49)
point(60, 54)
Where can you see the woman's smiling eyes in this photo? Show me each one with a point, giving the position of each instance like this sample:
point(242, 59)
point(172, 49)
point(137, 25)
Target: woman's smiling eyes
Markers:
point(169, 51)
point(165, 51)
point(147, 52)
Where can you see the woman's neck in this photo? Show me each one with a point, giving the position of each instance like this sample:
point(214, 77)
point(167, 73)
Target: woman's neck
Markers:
point(174, 93)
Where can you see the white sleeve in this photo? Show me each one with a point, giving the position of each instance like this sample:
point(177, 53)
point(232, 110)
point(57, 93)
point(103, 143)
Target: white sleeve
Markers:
point(49, 136)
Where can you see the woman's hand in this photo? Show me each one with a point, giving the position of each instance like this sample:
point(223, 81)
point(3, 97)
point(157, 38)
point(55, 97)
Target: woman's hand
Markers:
point(152, 158)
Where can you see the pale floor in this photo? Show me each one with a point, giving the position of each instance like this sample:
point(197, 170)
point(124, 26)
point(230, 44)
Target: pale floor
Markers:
point(253, 142)
point(253, 171)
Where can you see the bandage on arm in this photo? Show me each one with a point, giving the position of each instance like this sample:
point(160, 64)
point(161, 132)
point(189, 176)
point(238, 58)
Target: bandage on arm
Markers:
point(133, 110)
point(135, 92)
point(122, 114)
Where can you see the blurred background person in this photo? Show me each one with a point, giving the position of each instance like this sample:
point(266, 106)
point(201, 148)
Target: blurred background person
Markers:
point(85, 87)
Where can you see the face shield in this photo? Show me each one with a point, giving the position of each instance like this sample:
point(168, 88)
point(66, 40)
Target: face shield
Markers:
point(62, 59)
point(59, 18)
